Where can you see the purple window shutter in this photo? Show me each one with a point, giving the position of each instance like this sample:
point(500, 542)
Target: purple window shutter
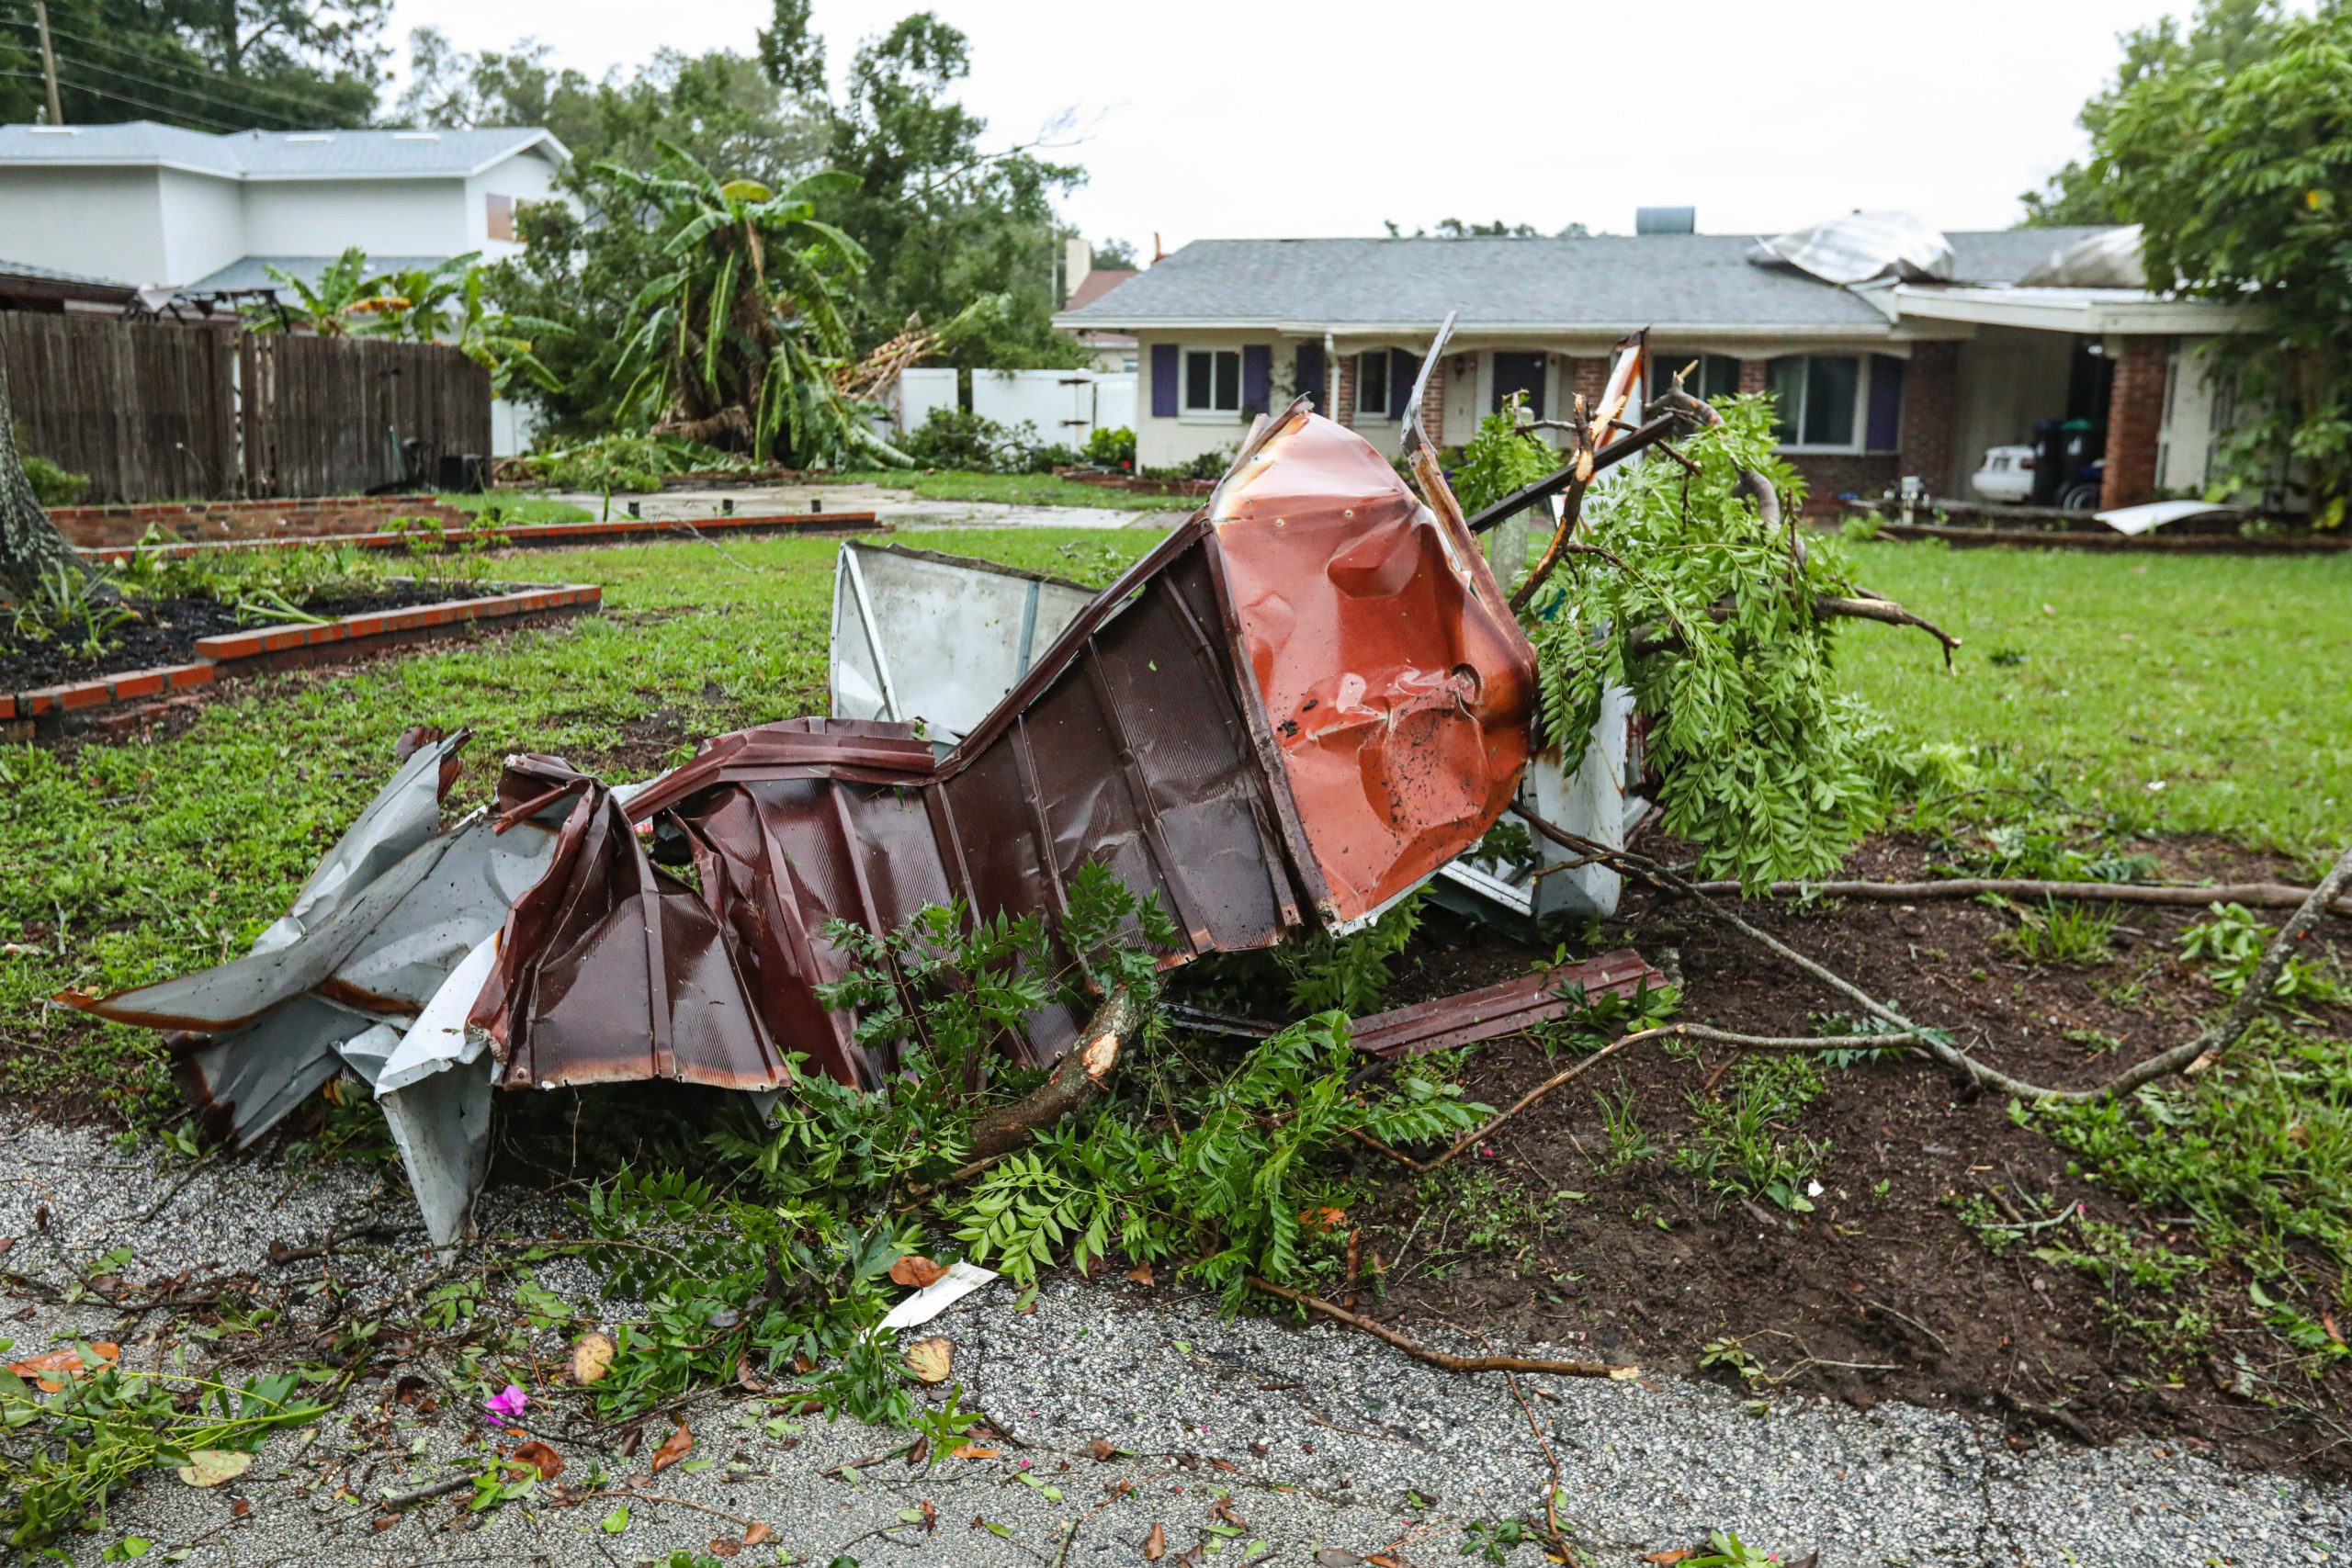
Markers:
point(1402, 368)
point(1163, 381)
point(1314, 375)
point(1256, 378)
point(1883, 433)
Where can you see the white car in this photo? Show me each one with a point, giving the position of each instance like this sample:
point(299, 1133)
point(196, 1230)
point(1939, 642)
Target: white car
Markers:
point(2006, 474)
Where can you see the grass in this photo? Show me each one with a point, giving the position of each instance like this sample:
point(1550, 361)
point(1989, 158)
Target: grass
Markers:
point(2192, 695)
point(516, 508)
point(1017, 490)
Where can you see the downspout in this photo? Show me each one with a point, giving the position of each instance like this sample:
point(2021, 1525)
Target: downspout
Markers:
point(1330, 376)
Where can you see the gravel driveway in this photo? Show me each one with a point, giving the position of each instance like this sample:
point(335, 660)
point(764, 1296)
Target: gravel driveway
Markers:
point(1242, 1439)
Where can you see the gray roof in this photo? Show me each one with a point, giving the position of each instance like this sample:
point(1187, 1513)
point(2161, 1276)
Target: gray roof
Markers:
point(276, 155)
point(1604, 281)
point(52, 275)
point(251, 272)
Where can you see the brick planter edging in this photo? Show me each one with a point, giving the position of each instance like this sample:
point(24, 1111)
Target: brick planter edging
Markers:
point(273, 647)
point(529, 534)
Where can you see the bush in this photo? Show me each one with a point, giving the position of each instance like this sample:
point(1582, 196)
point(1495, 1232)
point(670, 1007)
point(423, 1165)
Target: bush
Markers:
point(972, 443)
point(53, 485)
point(1112, 449)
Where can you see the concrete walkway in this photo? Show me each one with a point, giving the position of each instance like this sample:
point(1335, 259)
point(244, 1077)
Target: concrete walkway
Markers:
point(902, 508)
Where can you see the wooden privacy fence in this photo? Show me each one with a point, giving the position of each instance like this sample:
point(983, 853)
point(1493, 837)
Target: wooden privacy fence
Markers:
point(158, 411)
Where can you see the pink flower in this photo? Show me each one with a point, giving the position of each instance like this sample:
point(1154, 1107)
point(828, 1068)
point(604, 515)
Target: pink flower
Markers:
point(505, 1408)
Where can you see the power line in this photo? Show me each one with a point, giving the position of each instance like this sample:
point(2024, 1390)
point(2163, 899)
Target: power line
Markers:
point(173, 90)
point(146, 56)
point(117, 98)
point(164, 84)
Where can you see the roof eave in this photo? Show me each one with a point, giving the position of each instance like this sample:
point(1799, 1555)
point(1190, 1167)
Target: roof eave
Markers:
point(1743, 328)
point(2056, 310)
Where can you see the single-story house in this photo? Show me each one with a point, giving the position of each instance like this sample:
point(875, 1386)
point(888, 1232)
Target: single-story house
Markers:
point(1913, 372)
point(24, 286)
point(161, 206)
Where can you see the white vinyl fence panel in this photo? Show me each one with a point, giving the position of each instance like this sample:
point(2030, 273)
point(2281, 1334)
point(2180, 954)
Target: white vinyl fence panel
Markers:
point(920, 391)
point(1065, 406)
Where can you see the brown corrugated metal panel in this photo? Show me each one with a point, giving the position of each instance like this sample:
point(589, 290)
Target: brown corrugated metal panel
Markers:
point(1505, 1009)
point(1304, 699)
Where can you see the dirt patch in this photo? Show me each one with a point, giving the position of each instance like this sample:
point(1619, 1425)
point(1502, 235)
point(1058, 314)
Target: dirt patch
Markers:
point(166, 631)
point(1881, 1289)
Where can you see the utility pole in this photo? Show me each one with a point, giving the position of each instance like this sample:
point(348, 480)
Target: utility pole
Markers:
point(47, 62)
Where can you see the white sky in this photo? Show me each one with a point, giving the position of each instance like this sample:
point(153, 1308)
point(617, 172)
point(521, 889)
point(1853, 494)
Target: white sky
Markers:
point(1251, 118)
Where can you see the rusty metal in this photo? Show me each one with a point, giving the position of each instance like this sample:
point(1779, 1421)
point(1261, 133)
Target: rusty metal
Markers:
point(1505, 1009)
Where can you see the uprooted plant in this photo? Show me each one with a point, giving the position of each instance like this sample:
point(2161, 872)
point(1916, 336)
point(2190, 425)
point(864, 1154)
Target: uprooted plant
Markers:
point(1136, 1152)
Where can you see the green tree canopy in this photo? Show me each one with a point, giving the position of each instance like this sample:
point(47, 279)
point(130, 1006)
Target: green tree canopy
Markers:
point(207, 65)
point(2241, 175)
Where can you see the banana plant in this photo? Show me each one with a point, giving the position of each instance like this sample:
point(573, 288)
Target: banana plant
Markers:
point(738, 343)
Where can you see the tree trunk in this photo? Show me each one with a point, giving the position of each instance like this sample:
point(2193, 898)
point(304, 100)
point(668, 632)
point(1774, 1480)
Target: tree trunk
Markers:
point(32, 552)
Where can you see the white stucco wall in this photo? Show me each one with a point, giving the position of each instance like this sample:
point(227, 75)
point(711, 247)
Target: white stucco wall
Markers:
point(1163, 443)
point(203, 222)
point(101, 222)
point(385, 218)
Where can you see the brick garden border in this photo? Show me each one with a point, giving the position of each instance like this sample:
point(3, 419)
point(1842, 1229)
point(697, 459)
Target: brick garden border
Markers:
point(526, 535)
point(51, 710)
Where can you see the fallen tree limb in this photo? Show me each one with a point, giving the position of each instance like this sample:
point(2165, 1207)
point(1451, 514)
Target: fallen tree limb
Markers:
point(2253, 895)
point(1863, 606)
point(1077, 1079)
point(2218, 1038)
point(1452, 1363)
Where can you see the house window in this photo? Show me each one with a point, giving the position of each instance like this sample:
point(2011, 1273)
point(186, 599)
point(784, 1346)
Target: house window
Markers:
point(500, 211)
point(1817, 400)
point(1213, 381)
point(1715, 377)
point(1371, 383)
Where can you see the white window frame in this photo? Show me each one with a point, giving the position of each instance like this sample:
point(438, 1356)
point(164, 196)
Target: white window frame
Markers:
point(1209, 414)
point(1855, 442)
point(1388, 371)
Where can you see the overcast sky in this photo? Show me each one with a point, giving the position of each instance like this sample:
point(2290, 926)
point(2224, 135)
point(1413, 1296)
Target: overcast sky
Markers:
point(1245, 117)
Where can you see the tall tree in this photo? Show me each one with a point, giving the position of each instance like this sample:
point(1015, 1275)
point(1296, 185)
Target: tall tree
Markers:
point(2228, 34)
point(2242, 180)
point(32, 552)
point(207, 65)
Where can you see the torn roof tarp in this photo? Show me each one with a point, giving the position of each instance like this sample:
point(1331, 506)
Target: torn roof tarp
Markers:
point(1304, 701)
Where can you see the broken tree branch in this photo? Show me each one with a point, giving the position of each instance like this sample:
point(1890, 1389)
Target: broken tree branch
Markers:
point(2218, 1038)
point(1077, 1079)
point(1863, 606)
point(2253, 895)
point(1451, 1363)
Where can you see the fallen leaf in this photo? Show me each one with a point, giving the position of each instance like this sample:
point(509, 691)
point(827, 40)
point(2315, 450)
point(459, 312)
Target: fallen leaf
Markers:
point(616, 1521)
point(930, 1518)
point(1226, 1465)
point(915, 1271)
point(757, 1534)
point(1332, 1557)
point(630, 1439)
point(592, 1358)
point(539, 1457)
point(1667, 1558)
point(1102, 1449)
point(210, 1467)
point(749, 1381)
point(972, 1450)
point(1140, 1274)
point(1155, 1545)
point(383, 1522)
point(66, 1361)
point(726, 1546)
point(930, 1359)
point(675, 1447)
point(240, 1509)
point(1625, 1374)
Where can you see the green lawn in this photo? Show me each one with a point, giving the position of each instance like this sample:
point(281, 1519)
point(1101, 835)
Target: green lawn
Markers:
point(1018, 489)
point(516, 507)
point(2230, 681)
point(2225, 679)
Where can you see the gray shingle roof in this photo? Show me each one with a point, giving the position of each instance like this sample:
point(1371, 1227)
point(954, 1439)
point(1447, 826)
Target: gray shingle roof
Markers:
point(251, 272)
point(52, 275)
point(1606, 281)
point(275, 154)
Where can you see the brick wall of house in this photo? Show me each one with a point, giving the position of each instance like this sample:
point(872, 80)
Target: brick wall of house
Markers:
point(1828, 474)
point(1755, 376)
point(1434, 405)
point(98, 527)
point(1346, 412)
point(2136, 418)
point(1930, 412)
point(1587, 379)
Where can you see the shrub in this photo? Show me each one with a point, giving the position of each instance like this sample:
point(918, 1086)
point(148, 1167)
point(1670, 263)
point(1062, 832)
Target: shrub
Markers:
point(1112, 449)
point(53, 485)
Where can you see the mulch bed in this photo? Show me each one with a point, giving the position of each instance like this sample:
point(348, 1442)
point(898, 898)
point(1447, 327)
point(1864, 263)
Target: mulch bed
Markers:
point(168, 629)
point(1650, 1268)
